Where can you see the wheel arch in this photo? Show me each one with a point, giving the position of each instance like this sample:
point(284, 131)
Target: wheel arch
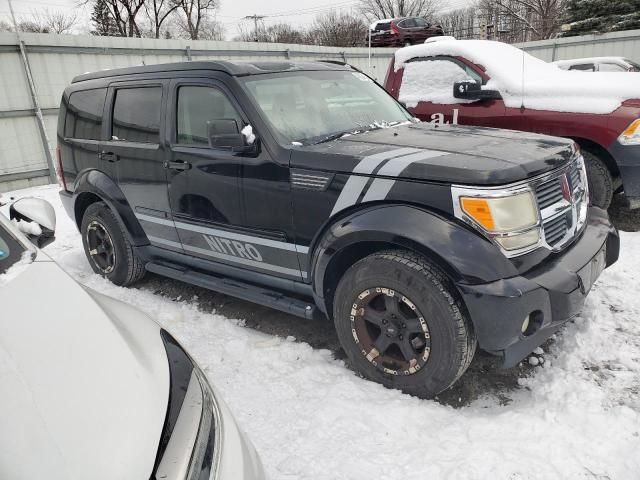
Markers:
point(94, 186)
point(444, 241)
point(599, 151)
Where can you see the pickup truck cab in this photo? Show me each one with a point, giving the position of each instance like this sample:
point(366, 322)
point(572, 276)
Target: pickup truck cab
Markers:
point(307, 188)
point(505, 87)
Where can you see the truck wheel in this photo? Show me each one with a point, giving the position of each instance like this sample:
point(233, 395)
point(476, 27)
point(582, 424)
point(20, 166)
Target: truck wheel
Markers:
point(107, 246)
point(402, 324)
point(601, 184)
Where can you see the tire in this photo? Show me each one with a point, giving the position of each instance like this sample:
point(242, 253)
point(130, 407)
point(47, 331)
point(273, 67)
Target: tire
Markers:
point(119, 264)
point(601, 183)
point(451, 338)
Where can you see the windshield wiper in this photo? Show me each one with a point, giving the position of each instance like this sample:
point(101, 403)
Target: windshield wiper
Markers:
point(335, 136)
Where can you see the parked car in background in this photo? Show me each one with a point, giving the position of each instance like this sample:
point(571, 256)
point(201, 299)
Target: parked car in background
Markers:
point(599, 64)
point(307, 188)
point(492, 84)
point(91, 387)
point(399, 32)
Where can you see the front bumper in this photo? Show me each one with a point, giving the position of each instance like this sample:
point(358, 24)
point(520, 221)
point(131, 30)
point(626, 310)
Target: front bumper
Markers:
point(67, 202)
point(552, 293)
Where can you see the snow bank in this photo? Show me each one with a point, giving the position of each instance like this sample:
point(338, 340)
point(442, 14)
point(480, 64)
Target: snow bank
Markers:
point(576, 417)
point(545, 87)
point(439, 89)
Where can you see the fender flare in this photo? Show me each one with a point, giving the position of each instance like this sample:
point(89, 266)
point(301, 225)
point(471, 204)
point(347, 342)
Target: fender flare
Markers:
point(99, 184)
point(462, 253)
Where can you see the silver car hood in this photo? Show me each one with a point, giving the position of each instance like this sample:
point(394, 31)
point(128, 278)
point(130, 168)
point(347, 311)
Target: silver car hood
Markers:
point(84, 381)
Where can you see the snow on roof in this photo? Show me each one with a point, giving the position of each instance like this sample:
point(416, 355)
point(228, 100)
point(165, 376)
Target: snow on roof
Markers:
point(577, 61)
point(544, 87)
point(375, 24)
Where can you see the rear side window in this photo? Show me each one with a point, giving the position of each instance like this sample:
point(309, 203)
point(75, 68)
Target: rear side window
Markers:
point(84, 114)
point(589, 67)
point(196, 107)
point(136, 115)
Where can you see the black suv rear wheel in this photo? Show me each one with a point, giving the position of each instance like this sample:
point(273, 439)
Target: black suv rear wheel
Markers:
point(107, 246)
point(401, 323)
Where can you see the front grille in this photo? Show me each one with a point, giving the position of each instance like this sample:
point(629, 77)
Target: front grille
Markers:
point(549, 193)
point(556, 229)
point(562, 201)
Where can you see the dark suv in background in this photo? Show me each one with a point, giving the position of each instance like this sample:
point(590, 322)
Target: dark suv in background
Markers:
point(400, 32)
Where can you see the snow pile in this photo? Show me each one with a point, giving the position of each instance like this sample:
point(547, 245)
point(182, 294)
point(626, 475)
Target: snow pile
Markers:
point(431, 82)
point(545, 87)
point(311, 418)
point(17, 268)
point(28, 228)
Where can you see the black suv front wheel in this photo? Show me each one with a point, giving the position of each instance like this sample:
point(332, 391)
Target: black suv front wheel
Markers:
point(401, 323)
point(107, 246)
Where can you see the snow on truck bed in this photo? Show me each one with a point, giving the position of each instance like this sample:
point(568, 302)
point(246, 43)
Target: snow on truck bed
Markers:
point(545, 87)
point(311, 418)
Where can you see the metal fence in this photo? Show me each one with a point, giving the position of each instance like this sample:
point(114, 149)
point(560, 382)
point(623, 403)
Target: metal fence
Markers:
point(53, 60)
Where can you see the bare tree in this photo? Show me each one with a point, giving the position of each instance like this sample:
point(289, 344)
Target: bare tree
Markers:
point(378, 9)
point(194, 12)
point(56, 22)
point(541, 17)
point(124, 14)
point(338, 29)
point(158, 11)
point(278, 33)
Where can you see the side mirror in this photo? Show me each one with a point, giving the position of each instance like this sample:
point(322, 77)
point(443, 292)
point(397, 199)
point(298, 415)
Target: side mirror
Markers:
point(36, 219)
point(473, 91)
point(224, 133)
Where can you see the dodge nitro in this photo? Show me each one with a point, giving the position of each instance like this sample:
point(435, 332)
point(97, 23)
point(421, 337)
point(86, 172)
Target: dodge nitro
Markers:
point(307, 188)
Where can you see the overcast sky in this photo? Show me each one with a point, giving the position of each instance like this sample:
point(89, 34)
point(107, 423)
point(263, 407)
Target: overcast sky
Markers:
point(230, 13)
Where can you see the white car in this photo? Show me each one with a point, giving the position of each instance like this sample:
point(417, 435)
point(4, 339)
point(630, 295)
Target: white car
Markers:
point(599, 64)
point(91, 388)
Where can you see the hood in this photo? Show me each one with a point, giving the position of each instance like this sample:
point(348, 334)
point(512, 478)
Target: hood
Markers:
point(85, 381)
point(449, 154)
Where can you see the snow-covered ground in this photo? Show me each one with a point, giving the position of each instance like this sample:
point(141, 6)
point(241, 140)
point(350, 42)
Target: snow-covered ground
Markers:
point(577, 416)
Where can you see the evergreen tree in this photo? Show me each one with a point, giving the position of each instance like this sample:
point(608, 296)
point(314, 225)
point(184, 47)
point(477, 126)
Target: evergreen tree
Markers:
point(602, 16)
point(103, 22)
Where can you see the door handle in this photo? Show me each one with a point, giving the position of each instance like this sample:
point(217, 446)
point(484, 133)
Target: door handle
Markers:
point(180, 165)
point(108, 156)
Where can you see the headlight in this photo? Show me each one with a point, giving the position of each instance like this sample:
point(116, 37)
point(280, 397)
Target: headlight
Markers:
point(189, 448)
point(631, 136)
point(508, 217)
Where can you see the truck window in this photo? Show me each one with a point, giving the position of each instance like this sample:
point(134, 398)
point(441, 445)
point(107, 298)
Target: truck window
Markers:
point(84, 114)
point(432, 80)
point(136, 115)
point(586, 67)
point(198, 105)
point(611, 67)
point(10, 250)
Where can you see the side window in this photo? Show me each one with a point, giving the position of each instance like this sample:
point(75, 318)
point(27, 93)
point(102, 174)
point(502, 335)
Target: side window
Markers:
point(587, 67)
point(421, 22)
point(408, 23)
point(432, 81)
point(136, 115)
point(611, 67)
point(84, 114)
point(196, 107)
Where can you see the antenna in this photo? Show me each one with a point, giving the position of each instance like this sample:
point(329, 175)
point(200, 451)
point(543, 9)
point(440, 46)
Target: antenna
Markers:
point(522, 90)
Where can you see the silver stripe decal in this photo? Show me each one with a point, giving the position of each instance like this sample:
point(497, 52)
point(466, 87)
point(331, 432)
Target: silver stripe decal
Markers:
point(355, 184)
point(265, 266)
point(223, 233)
point(381, 187)
point(149, 218)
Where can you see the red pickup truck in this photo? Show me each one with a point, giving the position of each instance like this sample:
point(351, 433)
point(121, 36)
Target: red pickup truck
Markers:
point(492, 84)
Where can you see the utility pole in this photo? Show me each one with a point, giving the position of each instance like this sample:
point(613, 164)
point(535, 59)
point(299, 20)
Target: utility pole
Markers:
point(255, 24)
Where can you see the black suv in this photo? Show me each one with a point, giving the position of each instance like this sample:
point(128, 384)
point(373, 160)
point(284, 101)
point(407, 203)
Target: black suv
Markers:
point(307, 188)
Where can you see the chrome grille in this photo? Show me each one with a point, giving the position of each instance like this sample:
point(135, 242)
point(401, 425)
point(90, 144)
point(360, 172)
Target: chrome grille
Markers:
point(562, 201)
point(549, 193)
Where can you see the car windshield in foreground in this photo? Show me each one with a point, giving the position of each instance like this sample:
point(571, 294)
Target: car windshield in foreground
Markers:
point(10, 249)
point(316, 106)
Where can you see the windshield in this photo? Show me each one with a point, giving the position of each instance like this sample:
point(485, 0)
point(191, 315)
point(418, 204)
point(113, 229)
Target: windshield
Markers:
point(309, 107)
point(10, 250)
